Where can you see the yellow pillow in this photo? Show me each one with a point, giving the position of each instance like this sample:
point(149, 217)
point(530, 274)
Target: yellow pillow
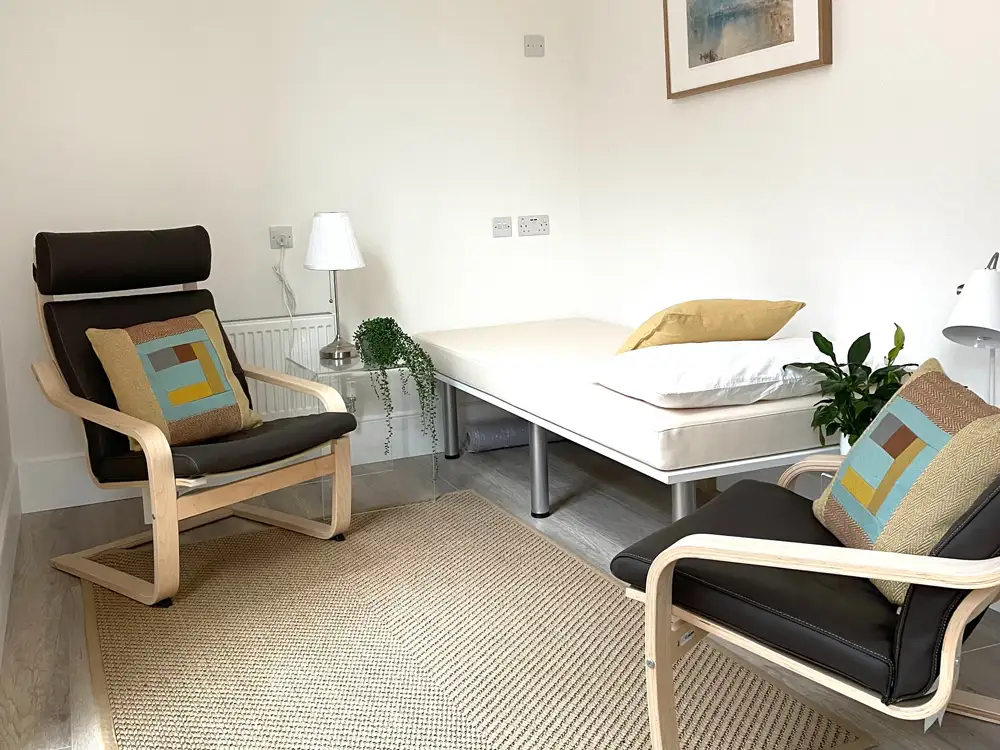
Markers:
point(713, 320)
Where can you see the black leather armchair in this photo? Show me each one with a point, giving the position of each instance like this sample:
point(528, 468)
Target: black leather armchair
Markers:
point(755, 568)
point(74, 380)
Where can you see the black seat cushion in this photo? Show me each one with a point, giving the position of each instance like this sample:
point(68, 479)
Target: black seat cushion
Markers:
point(843, 625)
point(272, 441)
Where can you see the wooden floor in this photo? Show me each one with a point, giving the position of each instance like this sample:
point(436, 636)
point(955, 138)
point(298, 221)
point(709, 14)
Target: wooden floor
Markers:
point(600, 507)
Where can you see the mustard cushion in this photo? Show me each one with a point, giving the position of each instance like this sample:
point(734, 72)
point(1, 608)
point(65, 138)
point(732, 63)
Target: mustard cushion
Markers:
point(705, 320)
point(924, 461)
point(175, 374)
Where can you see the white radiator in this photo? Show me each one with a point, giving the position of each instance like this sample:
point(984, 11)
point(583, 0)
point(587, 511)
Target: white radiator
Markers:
point(267, 342)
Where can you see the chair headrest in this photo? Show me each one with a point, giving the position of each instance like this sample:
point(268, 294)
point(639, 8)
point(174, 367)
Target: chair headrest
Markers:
point(94, 262)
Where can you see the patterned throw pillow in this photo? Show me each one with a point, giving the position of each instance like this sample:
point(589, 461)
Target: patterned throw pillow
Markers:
point(177, 375)
point(916, 470)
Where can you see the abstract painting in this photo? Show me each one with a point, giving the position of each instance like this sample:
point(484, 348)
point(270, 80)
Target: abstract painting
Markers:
point(720, 29)
point(712, 44)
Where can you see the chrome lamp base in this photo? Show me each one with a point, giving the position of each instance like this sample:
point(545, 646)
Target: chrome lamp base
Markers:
point(338, 352)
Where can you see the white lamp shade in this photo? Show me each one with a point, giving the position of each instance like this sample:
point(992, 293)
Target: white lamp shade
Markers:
point(332, 244)
point(975, 321)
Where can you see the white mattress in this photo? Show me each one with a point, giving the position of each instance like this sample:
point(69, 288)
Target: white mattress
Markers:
point(544, 368)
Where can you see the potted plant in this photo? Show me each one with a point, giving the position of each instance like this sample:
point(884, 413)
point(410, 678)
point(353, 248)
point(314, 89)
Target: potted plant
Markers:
point(383, 345)
point(854, 392)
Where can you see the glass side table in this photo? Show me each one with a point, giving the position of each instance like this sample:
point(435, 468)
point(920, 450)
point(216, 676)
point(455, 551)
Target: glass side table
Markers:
point(408, 473)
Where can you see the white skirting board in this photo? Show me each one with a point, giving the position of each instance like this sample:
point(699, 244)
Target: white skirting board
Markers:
point(10, 525)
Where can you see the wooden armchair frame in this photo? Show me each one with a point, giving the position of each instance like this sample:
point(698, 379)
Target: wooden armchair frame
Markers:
point(671, 631)
point(173, 513)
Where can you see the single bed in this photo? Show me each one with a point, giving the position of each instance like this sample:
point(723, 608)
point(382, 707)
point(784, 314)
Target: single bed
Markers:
point(542, 370)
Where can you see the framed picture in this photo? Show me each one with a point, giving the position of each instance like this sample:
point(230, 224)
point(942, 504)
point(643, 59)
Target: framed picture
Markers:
point(712, 44)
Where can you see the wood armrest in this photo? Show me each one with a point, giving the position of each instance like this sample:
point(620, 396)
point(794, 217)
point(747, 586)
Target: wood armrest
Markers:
point(817, 558)
point(327, 395)
point(815, 465)
point(159, 460)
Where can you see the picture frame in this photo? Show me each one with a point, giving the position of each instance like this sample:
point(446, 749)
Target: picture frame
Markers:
point(715, 44)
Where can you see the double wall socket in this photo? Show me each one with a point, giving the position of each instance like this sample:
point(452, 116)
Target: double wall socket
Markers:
point(532, 226)
point(281, 237)
point(502, 227)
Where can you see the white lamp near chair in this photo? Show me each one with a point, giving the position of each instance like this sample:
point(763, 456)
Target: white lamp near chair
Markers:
point(333, 247)
point(975, 321)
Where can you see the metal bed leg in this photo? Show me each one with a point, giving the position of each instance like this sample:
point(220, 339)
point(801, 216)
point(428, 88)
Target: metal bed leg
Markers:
point(538, 445)
point(685, 499)
point(451, 450)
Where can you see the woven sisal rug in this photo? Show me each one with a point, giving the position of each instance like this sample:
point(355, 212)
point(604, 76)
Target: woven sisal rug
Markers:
point(447, 625)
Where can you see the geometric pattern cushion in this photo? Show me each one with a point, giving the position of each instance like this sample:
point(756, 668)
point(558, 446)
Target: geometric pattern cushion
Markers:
point(175, 374)
point(921, 464)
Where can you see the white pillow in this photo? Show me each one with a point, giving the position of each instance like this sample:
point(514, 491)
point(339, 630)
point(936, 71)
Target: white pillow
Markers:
point(721, 373)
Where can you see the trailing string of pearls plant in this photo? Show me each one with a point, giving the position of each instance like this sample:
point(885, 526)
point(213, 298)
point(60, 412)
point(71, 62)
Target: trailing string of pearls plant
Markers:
point(383, 345)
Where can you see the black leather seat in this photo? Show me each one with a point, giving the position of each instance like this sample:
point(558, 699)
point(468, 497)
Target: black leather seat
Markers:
point(843, 625)
point(272, 441)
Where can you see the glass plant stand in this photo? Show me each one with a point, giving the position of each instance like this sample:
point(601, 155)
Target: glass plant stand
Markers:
point(394, 462)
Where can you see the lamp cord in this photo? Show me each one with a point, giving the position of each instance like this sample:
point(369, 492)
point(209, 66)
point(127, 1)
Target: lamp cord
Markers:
point(287, 297)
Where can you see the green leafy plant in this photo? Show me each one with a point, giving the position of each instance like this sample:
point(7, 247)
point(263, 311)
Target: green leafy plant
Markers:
point(383, 345)
point(854, 392)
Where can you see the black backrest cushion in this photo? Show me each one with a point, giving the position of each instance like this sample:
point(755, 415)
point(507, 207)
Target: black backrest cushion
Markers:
point(928, 610)
point(96, 262)
point(67, 324)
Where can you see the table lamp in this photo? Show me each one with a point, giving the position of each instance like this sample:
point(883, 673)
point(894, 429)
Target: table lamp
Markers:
point(975, 321)
point(332, 248)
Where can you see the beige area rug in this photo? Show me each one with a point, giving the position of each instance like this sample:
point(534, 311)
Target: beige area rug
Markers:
point(447, 625)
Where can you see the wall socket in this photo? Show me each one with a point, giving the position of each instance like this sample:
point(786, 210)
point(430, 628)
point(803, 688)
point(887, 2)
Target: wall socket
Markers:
point(534, 45)
point(502, 227)
point(281, 237)
point(532, 226)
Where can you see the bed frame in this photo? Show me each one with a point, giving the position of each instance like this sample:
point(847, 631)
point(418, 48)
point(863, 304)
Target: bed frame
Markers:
point(683, 482)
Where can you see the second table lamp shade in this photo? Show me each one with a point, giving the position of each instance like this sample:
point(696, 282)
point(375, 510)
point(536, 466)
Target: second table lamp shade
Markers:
point(333, 247)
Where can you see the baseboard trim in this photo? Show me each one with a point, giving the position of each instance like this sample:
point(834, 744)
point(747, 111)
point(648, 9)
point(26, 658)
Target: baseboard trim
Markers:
point(62, 482)
point(10, 526)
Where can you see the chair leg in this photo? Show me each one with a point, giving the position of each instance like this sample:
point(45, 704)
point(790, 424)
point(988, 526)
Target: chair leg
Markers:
point(340, 516)
point(165, 533)
point(975, 706)
point(662, 652)
point(165, 537)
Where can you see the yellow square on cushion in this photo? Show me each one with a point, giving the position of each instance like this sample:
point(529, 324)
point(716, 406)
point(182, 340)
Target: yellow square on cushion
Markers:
point(175, 374)
point(700, 321)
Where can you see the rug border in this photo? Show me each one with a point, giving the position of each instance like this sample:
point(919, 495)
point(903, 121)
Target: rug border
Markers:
point(102, 697)
point(98, 680)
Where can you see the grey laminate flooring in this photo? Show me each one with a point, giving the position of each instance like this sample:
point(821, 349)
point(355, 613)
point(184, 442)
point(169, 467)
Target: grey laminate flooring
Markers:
point(600, 507)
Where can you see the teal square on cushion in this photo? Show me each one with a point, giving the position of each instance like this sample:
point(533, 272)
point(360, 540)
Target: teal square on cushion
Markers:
point(870, 461)
point(883, 465)
point(185, 374)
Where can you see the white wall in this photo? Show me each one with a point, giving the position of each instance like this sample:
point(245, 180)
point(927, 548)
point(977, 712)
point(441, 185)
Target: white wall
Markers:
point(420, 117)
point(869, 189)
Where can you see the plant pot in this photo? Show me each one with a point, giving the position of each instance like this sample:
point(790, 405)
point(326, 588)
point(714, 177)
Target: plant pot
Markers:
point(845, 445)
